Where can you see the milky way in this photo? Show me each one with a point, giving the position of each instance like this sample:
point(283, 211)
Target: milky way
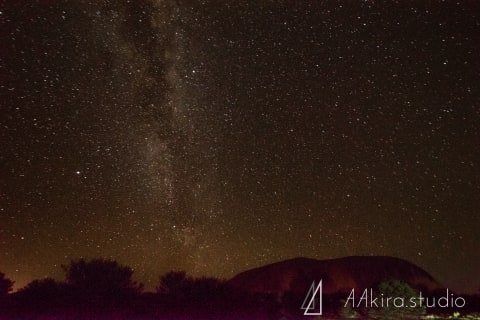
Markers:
point(215, 137)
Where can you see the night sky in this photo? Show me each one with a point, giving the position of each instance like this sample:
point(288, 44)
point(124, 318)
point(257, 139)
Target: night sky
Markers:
point(214, 137)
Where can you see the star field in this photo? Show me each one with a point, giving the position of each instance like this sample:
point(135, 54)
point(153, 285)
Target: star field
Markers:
point(216, 137)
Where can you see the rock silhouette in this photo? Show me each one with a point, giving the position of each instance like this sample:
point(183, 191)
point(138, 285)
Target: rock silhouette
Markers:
point(338, 275)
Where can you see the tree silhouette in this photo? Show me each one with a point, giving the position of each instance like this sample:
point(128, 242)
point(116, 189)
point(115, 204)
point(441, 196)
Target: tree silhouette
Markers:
point(173, 283)
point(99, 277)
point(6, 285)
point(207, 298)
point(204, 289)
point(42, 294)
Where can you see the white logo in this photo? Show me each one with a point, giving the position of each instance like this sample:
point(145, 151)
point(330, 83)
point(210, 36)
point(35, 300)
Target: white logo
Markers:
point(312, 304)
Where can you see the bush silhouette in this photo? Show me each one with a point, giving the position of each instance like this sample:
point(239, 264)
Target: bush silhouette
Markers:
point(101, 278)
point(203, 289)
point(43, 294)
point(397, 289)
point(173, 283)
point(6, 286)
point(178, 285)
point(207, 298)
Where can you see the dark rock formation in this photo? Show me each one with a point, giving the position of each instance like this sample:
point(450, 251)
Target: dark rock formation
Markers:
point(338, 275)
